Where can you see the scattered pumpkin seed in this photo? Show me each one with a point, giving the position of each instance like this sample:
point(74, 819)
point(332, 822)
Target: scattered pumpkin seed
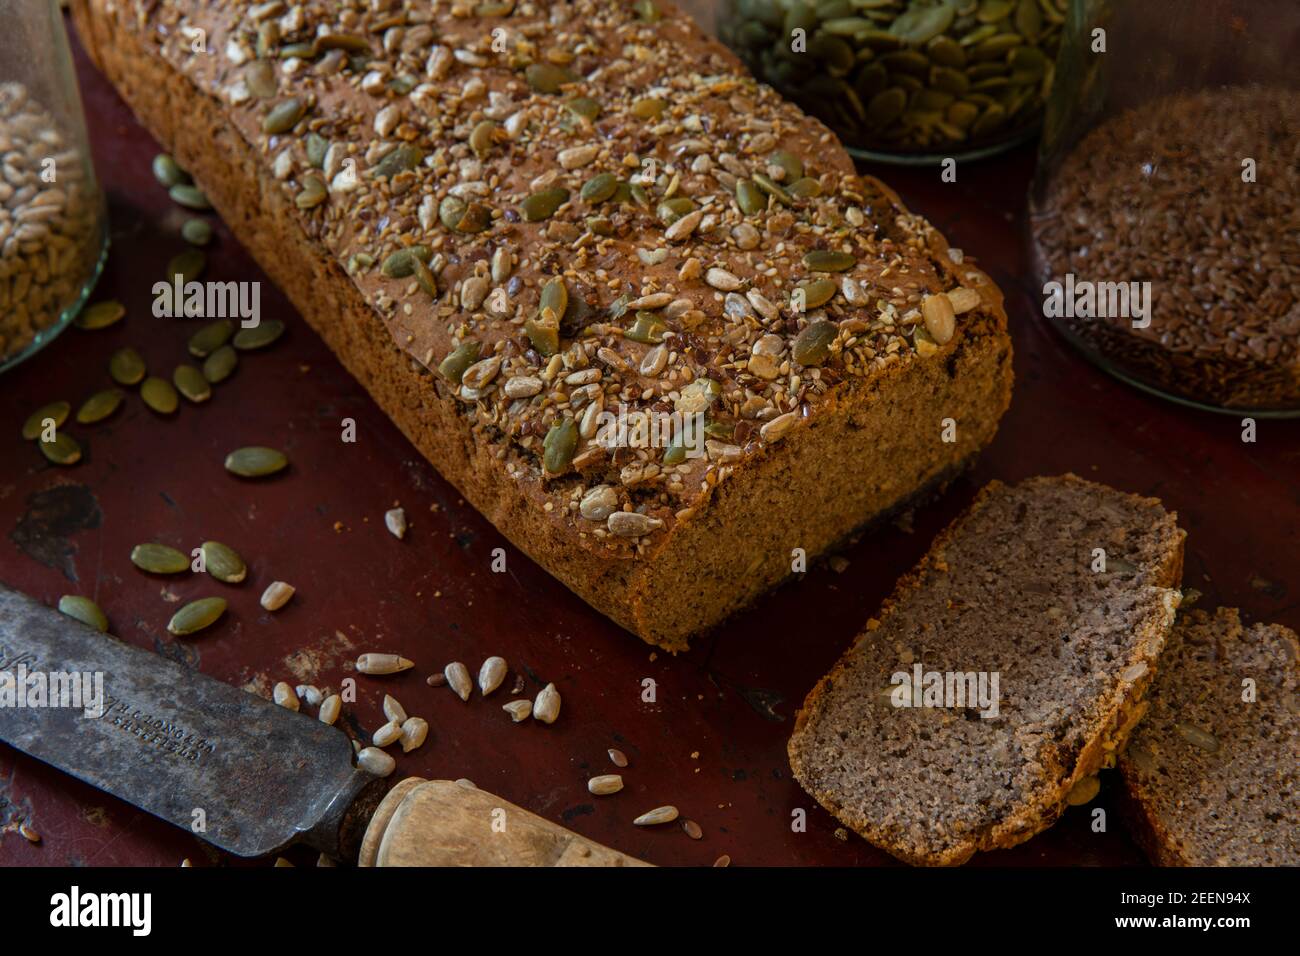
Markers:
point(197, 232)
point(458, 360)
point(160, 395)
point(460, 216)
point(315, 146)
point(258, 336)
point(542, 205)
point(159, 559)
point(223, 562)
point(210, 338)
point(259, 77)
point(101, 315)
point(559, 445)
point(35, 423)
point(126, 366)
point(599, 188)
point(312, 194)
point(812, 346)
point(188, 265)
point(816, 293)
point(190, 382)
point(167, 172)
point(99, 406)
point(647, 328)
point(255, 461)
point(64, 450)
point(218, 366)
point(84, 610)
point(196, 616)
point(191, 197)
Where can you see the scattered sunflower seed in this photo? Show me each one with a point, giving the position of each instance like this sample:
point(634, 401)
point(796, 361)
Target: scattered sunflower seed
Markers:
point(374, 761)
point(387, 734)
point(491, 674)
point(518, 709)
point(84, 610)
point(285, 696)
point(414, 732)
point(101, 315)
point(395, 521)
point(159, 559)
point(692, 829)
point(255, 462)
point(329, 709)
point(546, 707)
point(383, 664)
point(723, 860)
point(656, 816)
point(276, 595)
point(457, 675)
point(223, 562)
point(393, 710)
point(617, 758)
point(605, 784)
point(28, 834)
point(196, 616)
point(310, 693)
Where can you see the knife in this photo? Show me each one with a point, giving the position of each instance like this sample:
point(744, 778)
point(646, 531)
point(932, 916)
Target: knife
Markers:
point(248, 776)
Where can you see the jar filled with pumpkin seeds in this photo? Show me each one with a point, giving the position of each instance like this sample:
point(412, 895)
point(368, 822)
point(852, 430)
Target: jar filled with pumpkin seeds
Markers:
point(911, 81)
point(1165, 215)
point(53, 226)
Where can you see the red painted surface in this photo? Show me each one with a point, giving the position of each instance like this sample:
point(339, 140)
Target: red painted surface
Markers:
point(705, 745)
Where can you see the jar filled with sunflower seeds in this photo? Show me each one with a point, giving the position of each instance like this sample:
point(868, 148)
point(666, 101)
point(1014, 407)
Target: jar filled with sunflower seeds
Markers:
point(1165, 216)
point(53, 231)
point(910, 81)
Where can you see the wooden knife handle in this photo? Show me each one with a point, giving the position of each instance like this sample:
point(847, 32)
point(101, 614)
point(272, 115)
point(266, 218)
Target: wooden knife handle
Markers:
point(443, 823)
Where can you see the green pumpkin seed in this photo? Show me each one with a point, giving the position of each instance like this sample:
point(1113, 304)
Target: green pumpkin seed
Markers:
point(649, 108)
point(188, 265)
point(647, 328)
point(191, 197)
point(646, 11)
point(196, 616)
point(312, 194)
point(99, 406)
point(159, 559)
point(101, 315)
point(670, 210)
point(160, 395)
point(543, 334)
point(316, 146)
point(424, 277)
point(806, 188)
point(812, 345)
point(259, 77)
point(547, 77)
point(789, 162)
point(284, 116)
point(675, 454)
point(599, 188)
point(400, 160)
point(991, 11)
point(219, 366)
point(259, 336)
point(945, 51)
point(126, 366)
point(85, 610)
point(210, 338)
point(559, 445)
point(223, 562)
point(773, 190)
point(542, 205)
point(35, 423)
point(167, 172)
point(554, 300)
point(255, 462)
point(584, 107)
point(397, 265)
point(189, 381)
point(919, 25)
point(886, 106)
point(996, 47)
point(825, 260)
point(749, 197)
point(816, 293)
point(297, 51)
point(460, 216)
point(348, 42)
point(64, 450)
point(458, 360)
point(197, 232)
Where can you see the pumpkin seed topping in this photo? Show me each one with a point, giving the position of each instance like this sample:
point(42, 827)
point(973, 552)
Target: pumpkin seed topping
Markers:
point(453, 367)
point(822, 260)
point(812, 345)
point(542, 205)
point(284, 116)
point(559, 445)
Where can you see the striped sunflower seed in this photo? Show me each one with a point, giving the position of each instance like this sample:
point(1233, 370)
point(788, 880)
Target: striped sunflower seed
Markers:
point(546, 707)
point(258, 336)
point(491, 674)
point(656, 816)
point(64, 450)
point(219, 366)
point(223, 562)
point(387, 734)
point(255, 462)
point(101, 315)
point(196, 616)
point(374, 761)
point(159, 559)
point(606, 783)
point(414, 732)
point(285, 696)
point(126, 366)
point(160, 395)
point(329, 709)
point(56, 412)
point(518, 709)
point(383, 664)
point(189, 381)
point(100, 406)
point(457, 675)
point(84, 610)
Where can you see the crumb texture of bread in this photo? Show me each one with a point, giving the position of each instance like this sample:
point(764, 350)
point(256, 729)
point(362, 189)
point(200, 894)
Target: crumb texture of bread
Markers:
point(1009, 589)
point(1212, 773)
point(413, 189)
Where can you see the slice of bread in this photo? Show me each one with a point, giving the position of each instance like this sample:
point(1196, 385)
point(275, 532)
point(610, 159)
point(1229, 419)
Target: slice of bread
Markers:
point(1212, 777)
point(1009, 591)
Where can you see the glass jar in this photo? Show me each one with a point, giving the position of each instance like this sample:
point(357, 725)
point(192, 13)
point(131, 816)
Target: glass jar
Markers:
point(906, 81)
point(53, 226)
point(1165, 215)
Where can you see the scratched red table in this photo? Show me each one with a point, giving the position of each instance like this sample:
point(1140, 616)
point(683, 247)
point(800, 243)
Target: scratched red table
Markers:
point(712, 742)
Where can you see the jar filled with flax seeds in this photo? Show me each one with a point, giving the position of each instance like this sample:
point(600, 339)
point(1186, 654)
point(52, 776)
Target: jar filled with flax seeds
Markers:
point(1165, 217)
point(906, 81)
point(53, 230)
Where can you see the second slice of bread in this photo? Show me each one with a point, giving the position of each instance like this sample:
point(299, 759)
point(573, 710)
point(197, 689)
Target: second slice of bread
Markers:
point(1008, 590)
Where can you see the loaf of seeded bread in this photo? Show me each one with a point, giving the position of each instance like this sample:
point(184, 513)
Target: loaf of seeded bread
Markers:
point(1014, 588)
point(413, 174)
point(1212, 774)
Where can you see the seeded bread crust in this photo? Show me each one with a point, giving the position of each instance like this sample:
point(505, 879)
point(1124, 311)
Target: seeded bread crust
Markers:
point(861, 435)
point(1240, 804)
point(819, 747)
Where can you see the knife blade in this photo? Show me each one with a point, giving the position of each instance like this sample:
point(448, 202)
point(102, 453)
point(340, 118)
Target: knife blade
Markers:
point(241, 773)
